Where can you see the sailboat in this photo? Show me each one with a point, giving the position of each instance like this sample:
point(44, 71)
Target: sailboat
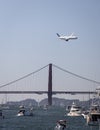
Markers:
point(4, 104)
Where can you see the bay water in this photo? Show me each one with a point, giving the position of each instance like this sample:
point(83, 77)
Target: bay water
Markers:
point(42, 120)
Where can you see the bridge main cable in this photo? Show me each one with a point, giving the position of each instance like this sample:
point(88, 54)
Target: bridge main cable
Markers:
point(76, 75)
point(14, 81)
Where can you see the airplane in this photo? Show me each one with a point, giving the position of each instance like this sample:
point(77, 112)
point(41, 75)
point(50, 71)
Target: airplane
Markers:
point(67, 38)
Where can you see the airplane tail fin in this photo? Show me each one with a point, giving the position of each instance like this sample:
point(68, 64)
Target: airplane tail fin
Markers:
point(58, 35)
point(72, 34)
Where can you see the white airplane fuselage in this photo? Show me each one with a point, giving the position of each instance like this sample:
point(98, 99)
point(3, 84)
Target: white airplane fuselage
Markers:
point(67, 38)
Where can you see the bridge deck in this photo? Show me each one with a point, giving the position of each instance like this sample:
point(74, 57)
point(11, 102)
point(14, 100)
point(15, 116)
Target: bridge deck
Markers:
point(46, 92)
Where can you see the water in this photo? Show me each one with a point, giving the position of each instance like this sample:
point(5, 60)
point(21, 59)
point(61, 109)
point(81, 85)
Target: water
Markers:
point(42, 120)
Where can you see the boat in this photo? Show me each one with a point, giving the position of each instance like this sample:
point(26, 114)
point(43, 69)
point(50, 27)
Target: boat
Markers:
point(93, 118)
point(60, 125)
point(75, 110)
point(85, 114)
point(1, 114)
point(45, 107)
point(23, 112)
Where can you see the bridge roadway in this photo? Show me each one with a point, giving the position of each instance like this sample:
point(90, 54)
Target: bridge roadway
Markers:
point(46, 92)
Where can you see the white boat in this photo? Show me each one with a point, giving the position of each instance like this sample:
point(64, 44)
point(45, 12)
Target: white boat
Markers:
point(93, 118)
point(23, 112)
point(85, 114)
point(75, 110)
point(61, 125)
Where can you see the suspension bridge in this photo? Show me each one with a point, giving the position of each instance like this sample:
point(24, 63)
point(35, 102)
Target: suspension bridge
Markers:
point(50, 90)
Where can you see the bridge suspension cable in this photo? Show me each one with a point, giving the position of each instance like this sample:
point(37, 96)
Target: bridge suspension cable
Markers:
point(90, 80)
point(14, 81)
point(76, 75)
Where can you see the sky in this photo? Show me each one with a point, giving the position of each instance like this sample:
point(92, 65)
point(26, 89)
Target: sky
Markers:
point(28, 39)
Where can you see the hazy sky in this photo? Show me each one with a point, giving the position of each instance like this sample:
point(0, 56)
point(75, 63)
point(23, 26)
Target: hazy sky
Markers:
point(28, 38)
